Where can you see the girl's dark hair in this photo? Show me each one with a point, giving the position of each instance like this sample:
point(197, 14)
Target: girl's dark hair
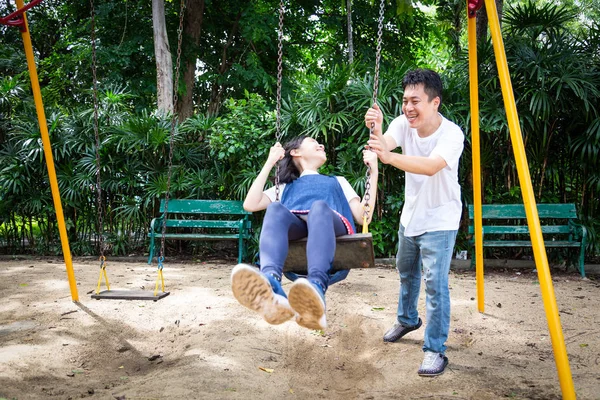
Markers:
point(288, 171)
point(431, 81)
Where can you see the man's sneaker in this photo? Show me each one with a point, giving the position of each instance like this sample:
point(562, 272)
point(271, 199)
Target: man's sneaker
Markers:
point(253, 290)
point(308, 301)
point(399, 330)
point(433, 364)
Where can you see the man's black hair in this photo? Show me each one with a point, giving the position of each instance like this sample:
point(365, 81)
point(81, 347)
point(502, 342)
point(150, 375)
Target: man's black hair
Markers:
point(431, 81)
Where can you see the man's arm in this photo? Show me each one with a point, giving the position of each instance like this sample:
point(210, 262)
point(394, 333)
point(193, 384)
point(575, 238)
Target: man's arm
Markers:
point(415, 165)
point(383, 145)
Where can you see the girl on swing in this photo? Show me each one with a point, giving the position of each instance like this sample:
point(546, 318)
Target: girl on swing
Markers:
point(312, 205)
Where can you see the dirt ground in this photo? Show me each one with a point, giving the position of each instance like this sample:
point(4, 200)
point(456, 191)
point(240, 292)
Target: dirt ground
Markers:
point(199, 343)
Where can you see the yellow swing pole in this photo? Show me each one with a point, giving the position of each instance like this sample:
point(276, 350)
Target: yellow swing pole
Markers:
point(475, 153)
point(39, 106)
point(533, 221)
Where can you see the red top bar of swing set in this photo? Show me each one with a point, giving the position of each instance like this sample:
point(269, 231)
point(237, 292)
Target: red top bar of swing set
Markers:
point(16, 18)
point(474, 5)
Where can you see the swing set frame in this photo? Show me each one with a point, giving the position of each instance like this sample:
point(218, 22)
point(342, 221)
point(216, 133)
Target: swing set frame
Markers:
point(19, 20)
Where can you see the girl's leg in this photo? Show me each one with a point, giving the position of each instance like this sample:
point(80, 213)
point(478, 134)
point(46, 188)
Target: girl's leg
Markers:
point(324, 225)
point(307, 296)
point(261, 291)
point(279, 226)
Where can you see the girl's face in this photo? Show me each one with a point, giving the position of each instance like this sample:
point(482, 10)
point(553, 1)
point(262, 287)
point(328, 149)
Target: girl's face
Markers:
point(311, 151)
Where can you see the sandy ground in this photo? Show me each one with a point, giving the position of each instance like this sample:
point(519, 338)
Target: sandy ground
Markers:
point(198, 343)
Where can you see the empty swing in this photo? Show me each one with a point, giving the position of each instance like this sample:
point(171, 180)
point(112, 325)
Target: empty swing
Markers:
point(160, 281)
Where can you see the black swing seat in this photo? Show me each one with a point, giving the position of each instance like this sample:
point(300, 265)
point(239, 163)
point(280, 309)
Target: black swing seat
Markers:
point(351, 251)
point(129, 295)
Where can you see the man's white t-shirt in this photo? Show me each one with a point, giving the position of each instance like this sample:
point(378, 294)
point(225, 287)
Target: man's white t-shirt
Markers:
point(349, 192)
point(431, 203)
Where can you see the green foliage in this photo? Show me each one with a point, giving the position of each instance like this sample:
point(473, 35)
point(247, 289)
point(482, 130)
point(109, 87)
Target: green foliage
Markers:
point(239, 143)
point(385, 224)
point(551, 50)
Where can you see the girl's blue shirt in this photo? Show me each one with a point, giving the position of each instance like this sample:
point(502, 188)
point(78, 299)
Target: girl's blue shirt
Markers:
point(301, 193)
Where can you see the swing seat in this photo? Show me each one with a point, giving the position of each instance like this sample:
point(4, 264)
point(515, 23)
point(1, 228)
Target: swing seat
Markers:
point(351, 251)
point(129, 295)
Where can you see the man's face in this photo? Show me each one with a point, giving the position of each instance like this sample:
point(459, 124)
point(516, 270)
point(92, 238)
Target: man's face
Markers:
point(420, 110)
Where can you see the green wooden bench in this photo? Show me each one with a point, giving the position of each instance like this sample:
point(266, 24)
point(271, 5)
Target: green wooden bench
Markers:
point(504, 225)
point(202, 220)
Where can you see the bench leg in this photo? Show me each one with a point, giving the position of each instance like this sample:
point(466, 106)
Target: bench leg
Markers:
point(240, 249)
point(473, 257)
point(151, 251)
point(582, 261)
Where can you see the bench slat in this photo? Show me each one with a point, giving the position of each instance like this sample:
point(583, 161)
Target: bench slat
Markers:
point(516, 211)
point(190, 206)
point(527, 243)
point(200, 236)
point(521, 229)
point(201, 223)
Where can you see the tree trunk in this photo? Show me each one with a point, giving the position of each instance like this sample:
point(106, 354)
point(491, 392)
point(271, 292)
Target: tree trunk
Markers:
point(217, 89)
point(482, 20)
point(164, 63)
point(350, 41)
point(193, 26)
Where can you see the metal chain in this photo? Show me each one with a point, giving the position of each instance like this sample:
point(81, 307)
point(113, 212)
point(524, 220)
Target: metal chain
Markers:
point(278, 133)
point(378, 53)
point(367, 207)
point(97, 137)
point(161, 256)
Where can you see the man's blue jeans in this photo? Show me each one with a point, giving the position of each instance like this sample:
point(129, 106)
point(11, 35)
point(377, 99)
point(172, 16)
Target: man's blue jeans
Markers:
point(426, 255)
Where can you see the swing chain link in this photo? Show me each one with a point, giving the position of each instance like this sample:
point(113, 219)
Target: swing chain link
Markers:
point(367, 197)
point(278, 133)
point(367, 207)
point(378, 52)
point(97, 137)
point(171, 137)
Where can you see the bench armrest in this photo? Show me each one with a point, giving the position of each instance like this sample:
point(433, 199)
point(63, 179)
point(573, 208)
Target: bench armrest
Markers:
point(156, 224)
point(579, 230)
point(246, 226)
